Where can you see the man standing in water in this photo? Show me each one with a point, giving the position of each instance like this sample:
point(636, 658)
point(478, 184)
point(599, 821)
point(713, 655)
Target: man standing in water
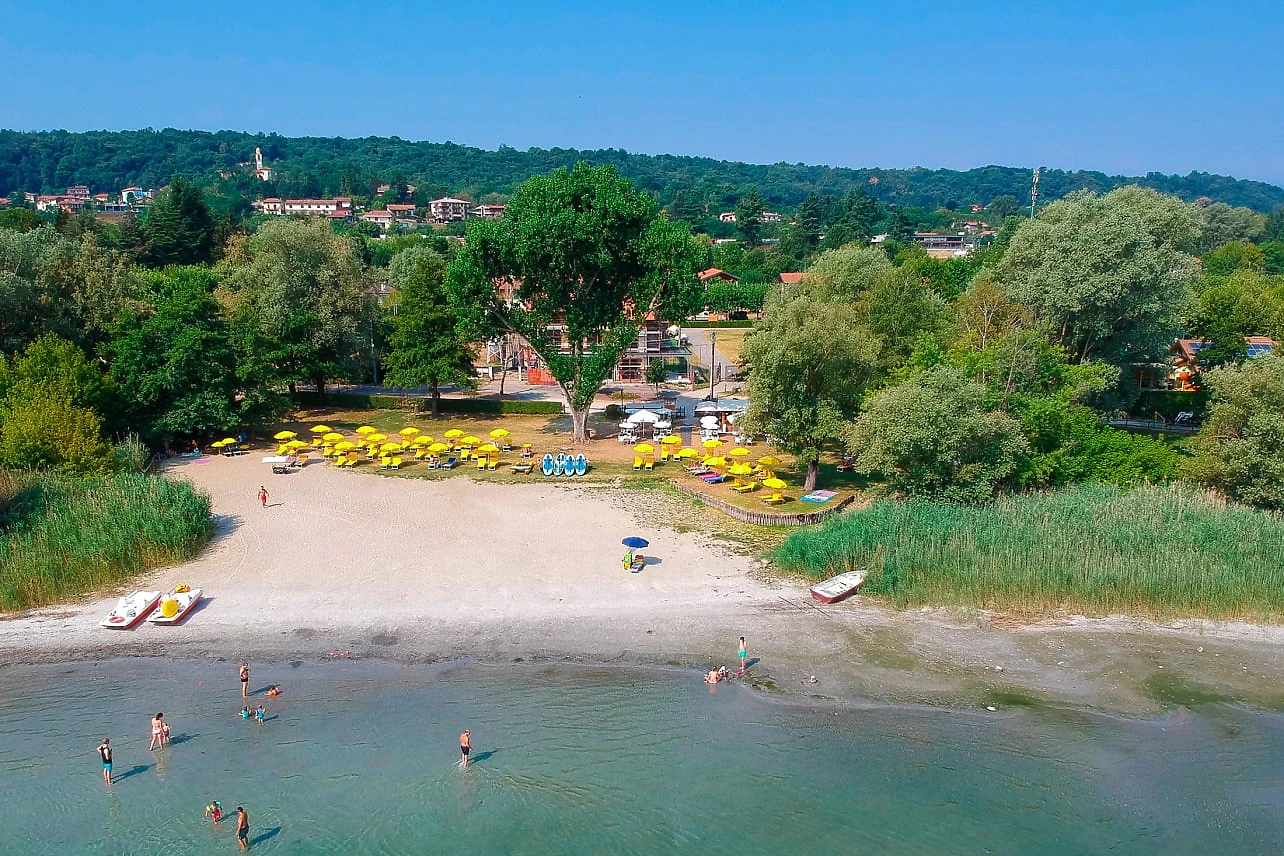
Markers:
point(245, 680)
point(263, 496)
point(104, 750)
point(465, 746)
point(242, 828)
point(744, 653)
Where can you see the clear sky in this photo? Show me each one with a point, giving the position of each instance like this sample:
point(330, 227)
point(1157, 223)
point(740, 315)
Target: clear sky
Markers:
point(1128, 87)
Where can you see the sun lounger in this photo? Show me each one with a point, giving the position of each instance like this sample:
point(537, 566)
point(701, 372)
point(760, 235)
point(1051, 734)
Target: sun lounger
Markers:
point(385, 462)
point(396, 463)
point(650, 462)
point(492, 461)
point(819, 496)
point(637, 462)
point(450, 464)
point(481, 461)
point(774, 499)
point(523, 469)
point(746, 487)
point(699, 470)
point(713, 478)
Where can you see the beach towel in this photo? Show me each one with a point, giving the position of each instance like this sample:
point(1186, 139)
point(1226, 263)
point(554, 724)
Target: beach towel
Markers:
point(819, 496)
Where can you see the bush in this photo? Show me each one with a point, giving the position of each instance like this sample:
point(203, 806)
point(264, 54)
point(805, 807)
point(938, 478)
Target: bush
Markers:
point(53, 435)
point(1169, 549)
point(1169, 402)
point(362, 401)
point(72, 536)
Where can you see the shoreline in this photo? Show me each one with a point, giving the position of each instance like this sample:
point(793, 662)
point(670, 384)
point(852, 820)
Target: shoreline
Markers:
point(437, 571)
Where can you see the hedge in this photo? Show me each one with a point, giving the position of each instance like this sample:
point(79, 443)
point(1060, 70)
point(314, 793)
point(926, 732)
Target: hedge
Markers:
point(364, 401)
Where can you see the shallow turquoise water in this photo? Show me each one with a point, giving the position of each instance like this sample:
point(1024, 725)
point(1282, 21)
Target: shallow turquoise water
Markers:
point(361, 757)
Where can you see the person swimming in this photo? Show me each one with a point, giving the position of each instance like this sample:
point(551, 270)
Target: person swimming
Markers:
point(716, 676)
point(274, 690)
point(245, 712)
point(258, 715)
point(214, 811)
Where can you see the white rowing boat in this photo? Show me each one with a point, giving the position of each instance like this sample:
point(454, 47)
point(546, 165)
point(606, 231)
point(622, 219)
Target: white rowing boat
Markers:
point(131, 609)
point(175, 605)
point(836, 588)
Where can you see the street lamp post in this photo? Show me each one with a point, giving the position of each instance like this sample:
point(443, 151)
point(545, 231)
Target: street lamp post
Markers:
point(713, 359)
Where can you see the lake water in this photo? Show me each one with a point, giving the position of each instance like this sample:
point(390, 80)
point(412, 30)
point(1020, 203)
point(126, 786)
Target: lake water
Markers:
point(361, 757)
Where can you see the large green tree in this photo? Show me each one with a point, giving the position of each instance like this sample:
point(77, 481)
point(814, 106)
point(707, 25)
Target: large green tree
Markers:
point(299, 291)
point(576, 266)
point(1240, 448)
point(749, 218)
point(809, 363)
point(427, 348)
point(179, 229)
point(1110, 274)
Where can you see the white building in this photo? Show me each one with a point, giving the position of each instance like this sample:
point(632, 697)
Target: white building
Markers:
point(448, 208)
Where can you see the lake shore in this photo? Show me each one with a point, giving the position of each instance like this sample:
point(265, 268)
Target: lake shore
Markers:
point(356, 566)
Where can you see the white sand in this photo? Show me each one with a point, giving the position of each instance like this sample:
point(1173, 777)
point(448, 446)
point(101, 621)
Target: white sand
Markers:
point(451, 568)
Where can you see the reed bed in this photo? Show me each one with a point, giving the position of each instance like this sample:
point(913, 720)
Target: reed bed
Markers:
point(1154, 550)
point(65, 537)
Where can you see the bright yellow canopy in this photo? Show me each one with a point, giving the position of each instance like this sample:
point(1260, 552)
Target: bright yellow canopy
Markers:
point(422, 440)
point(769, 461)
point(438, 447)
point(715, 461)
point(453, 433)
point(685, 453)
point(470, 440)
point(376, 438)
point(488, 448)
point(711, 443)
point(389, 447)
point(739, 452)
point(296, 444)
point(500, 433)
point(229, 441)
point(671, 440)
point(320, 429)
point(774, 484)
point(408, 431)
point(345, 446)
point(217, 444)
point(284, 435)
point(644, 448)
point(367, 429)
point(740, 469)
point(332, 437)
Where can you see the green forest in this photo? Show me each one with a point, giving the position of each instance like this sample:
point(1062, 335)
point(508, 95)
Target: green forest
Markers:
point(49, 161)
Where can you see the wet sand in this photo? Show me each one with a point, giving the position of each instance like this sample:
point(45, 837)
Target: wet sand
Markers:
point(359, 565)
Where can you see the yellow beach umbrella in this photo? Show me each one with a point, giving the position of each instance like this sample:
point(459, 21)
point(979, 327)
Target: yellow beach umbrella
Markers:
point(389, 447)
point(345, 446)
point(367, 429)
point(320, 429)
point(376, 438)
point(438, 447)
point(711, 443)
point(229, 441)
point(217, 444)
point(421, 440)
point(470, 440)
point(296, 444)
point(453, 433)
point(774, 484)
point(715, 461)
point(739, 452)
point(769, 461)
point(685, 453)
point(671, 440)
point(408, 431)
point(500, 433)
point(488, 448)
point(332, 437)
point(284, 435)
point(740, 469)
point(644, 448)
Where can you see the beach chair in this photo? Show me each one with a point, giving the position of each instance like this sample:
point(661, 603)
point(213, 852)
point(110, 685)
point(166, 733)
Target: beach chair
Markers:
point(353, 457)
point(434, 462)
point(481, 461)
point(396, 463)
point(283, 449)
point(747, 487)
point(650, 462)
point(385, 462)
point(450, 463)
point(420, 453)
point(523, 469)
point(637, 462)
point(492, 461)
point(527, 451)
point(774, 499)
point(302, 460)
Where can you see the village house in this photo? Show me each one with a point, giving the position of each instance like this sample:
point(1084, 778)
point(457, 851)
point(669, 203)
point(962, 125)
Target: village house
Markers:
point(70, 204)
point(135, 196)
point(448, 208)
point(716, 275)
point(791, 278)
point(727, 216)
point(403, 213)
point(489, 211)
point(305, 207)
point(381, 218)
point(78, 191)
point(770, 217)
point(1183, 367)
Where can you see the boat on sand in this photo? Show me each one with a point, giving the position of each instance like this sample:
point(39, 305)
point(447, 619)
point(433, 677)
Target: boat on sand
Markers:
point(175, 605)
point(836, 588)
point(131, 609)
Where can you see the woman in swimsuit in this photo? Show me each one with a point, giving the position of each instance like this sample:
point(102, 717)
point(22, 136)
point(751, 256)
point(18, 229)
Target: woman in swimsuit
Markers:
point(245, 680)
point(158, 732)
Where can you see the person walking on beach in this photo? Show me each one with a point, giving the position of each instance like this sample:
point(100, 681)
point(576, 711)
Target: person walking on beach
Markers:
point(744, 653)
point(158, 732)
point(243, 828)
point(104, 751)
point(263, 496)
point(245, 680)
point(465, 746)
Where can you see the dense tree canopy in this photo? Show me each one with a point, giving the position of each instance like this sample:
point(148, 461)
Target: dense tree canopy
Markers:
point(1240, 448)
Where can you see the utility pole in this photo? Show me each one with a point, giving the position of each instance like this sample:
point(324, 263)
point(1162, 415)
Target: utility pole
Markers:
point(713, 359)
point(1034, 191)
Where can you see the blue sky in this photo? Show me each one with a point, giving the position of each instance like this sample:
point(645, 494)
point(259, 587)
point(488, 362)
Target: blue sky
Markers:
point(1124, 87)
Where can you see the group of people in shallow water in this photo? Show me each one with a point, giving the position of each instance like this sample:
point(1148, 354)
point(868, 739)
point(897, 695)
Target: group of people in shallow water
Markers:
point(214, 811)
point(720, 674)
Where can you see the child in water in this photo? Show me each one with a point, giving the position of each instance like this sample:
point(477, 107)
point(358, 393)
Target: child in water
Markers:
point(258, 715)
point(245, 712)
point(214, 811)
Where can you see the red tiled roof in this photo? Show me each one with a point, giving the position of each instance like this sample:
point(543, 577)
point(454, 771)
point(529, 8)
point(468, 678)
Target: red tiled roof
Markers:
point(791, 278)
point(717, 273)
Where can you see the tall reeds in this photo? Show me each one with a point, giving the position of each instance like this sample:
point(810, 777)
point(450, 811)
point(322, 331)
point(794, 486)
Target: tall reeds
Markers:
point(69, 536)
point(1168, 550)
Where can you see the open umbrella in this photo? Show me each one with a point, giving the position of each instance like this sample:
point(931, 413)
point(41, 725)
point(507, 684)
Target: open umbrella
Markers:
point(376, 438)
point(367, 429)
point(774, 484)
point(390, 447)
point(715, 461)
point(488, 448)
point(671, 440)
point(685, 453)
point(470, 440)
point(769, 461)
point(332, 437)
point(320, 429)
point(284, 435)
point(296, 444)
point(635, 542)
point(643, 416)
point(438, 447)
point(711, 443)
point(644, 448)
point(453, 433)
point(217, 444)
point(345, 446)
point(739, 453)
point(709, 422)
point(229, 441)
point(422, 440)
point(408, 431)
point(500, 433)
point(740, 469)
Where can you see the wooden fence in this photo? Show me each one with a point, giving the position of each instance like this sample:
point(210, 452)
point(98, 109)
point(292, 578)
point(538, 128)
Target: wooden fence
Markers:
point(764, 518)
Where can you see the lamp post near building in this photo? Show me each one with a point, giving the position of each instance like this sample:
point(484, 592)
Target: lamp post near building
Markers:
point(713, 359)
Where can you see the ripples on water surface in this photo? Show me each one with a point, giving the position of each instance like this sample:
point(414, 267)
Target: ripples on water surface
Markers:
point(361, 757)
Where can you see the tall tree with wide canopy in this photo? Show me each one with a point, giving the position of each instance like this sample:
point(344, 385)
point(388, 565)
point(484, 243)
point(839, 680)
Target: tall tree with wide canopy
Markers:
point(179, 229)
point(809, 365)
point(575, 267)
point(427, 349)
point(299, 291)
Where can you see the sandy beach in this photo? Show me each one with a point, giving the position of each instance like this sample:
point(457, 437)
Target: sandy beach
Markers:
point(361, 565)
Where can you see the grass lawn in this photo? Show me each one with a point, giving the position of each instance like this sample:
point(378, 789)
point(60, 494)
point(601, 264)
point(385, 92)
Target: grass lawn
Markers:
point(730, 341)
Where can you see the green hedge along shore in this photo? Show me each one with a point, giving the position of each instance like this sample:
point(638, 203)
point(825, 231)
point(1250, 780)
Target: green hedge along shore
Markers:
point(1160, 551)
point(63, 536)
point(364, 401)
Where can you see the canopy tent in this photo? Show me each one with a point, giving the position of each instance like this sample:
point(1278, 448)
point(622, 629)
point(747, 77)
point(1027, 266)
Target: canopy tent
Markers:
point(643, 416)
